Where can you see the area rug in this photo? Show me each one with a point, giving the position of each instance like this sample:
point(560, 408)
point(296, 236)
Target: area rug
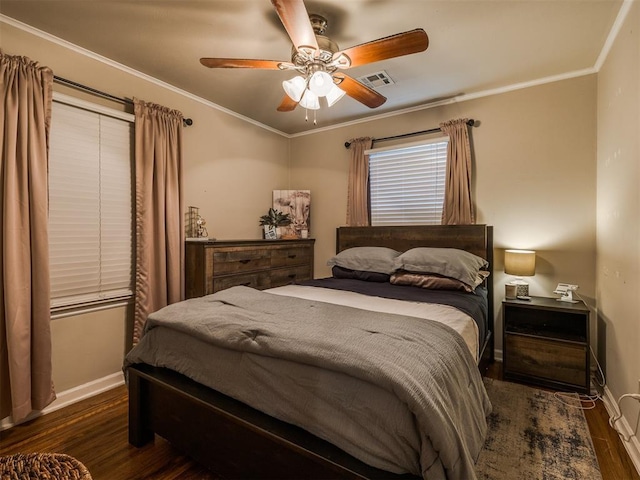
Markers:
point(533, 435)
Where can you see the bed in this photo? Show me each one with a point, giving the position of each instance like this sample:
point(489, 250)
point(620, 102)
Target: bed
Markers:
point(238, 441)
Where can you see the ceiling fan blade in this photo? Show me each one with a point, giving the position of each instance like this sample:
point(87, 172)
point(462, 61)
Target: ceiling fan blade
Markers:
point(406, 43)
point(293, 15)
point(287, 104)
point(243, 63)
point(359, 92)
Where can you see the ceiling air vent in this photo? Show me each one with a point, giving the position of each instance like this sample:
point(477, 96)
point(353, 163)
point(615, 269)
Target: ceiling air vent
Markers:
point(375, 80)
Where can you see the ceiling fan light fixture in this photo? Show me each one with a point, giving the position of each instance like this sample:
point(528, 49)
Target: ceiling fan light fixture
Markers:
point(335, 94)
point(317, 58)
point(321, 83)
point(295, 87)
point(310, 100)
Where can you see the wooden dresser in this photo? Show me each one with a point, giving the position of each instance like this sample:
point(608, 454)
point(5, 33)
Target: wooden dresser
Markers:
point(215, 265)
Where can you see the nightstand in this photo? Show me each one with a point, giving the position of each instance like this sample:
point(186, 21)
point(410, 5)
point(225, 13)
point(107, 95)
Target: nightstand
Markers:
point(546, 342)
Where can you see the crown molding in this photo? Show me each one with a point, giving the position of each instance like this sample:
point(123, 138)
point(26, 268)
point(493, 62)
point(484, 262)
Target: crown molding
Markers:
point(613, 33)
point(456, 99)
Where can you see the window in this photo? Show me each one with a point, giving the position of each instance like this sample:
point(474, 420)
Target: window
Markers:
point(90, 204)
point(407, 183)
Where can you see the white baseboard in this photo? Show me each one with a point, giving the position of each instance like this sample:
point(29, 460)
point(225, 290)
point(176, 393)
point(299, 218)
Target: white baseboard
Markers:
point(71, 396)
point(633, 445)
point(498, 354)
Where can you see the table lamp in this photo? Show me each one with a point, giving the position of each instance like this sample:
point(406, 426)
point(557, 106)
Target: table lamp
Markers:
point(521, 263)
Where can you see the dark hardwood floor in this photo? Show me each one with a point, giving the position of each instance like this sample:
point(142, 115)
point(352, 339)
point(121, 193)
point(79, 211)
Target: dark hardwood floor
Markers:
point(95, 432)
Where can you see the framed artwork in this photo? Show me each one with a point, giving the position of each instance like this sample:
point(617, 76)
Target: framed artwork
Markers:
point(296, 203)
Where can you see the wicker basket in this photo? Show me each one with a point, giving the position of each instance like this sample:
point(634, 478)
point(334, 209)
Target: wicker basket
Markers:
point(45, 466)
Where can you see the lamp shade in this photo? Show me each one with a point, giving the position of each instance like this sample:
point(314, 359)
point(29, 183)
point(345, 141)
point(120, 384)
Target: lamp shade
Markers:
point(521, 263)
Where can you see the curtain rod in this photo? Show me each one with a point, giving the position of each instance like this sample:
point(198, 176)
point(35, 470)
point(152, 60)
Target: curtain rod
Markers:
point(187, 122)
point(471, 123)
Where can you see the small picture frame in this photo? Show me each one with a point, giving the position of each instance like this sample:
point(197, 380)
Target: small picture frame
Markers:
point(270, 232)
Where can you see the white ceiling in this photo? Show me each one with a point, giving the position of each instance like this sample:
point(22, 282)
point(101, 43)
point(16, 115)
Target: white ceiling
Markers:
point(475, 46)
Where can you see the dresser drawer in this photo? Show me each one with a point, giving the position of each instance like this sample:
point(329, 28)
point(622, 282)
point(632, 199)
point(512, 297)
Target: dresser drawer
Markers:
point(287, 276)
point(254, 280)
point(283, 257)
point(240, 260)
point(553, 360)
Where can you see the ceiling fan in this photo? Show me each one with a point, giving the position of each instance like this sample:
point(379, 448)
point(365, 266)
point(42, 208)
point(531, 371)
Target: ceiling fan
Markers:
point(319, 61)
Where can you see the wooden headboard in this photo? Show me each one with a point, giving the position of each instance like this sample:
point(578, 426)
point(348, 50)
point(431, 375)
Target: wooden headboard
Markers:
point(477, 239)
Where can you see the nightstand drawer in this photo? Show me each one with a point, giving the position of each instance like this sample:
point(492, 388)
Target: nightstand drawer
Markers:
point(551, 360)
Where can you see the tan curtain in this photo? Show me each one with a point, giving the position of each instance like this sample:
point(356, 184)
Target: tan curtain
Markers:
point(358, 187)
point(25, 334)
point(159, 219)
point(458, 207)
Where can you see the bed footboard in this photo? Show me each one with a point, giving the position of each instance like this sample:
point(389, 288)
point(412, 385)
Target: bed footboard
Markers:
point(230, 438)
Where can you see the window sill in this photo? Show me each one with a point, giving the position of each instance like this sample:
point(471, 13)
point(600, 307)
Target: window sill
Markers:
point(81, 309)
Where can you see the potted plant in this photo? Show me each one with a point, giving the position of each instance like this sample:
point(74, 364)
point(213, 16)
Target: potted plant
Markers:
point(272, 221)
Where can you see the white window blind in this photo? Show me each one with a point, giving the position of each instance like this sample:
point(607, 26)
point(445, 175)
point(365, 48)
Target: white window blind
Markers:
point(90, 206)
point(407, 183)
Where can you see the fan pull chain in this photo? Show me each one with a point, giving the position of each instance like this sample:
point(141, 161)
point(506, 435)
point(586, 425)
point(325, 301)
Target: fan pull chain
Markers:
point(306, 116)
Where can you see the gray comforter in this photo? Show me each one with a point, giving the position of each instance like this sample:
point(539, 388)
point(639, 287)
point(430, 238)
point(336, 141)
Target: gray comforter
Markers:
point(425, 364)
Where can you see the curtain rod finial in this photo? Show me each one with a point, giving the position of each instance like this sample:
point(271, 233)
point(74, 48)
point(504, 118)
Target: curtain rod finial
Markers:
point(347, 144)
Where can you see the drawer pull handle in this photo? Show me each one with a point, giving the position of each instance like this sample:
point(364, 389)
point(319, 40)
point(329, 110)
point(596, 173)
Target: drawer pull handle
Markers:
point(245, 261)
point(246, 284)
point(292, 255)
point(292, 275)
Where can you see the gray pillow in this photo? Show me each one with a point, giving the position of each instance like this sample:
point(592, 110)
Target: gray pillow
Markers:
point(450, 262)
point(367, 259)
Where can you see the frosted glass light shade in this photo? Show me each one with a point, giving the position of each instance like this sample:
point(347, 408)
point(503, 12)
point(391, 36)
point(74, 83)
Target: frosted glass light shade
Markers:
point(335, 94)
point(320, 83)
point(309, 100)
point(521, 263)
point(294, 87)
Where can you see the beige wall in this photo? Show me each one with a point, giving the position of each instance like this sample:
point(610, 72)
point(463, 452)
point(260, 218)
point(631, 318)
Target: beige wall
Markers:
point(88, 347)
point(231, 167)
point(618, 212)
point(534, 178)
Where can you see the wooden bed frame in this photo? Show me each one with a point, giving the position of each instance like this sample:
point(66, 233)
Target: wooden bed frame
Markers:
point(237, 441)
